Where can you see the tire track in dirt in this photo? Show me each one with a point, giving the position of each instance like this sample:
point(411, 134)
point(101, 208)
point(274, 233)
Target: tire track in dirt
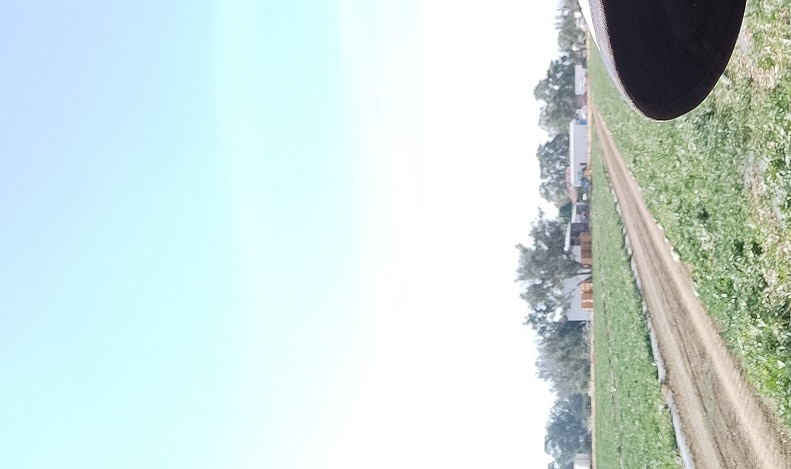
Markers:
point(723, 422)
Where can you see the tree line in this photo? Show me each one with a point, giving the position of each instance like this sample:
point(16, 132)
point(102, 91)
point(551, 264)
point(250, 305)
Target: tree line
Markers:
point(563, 349)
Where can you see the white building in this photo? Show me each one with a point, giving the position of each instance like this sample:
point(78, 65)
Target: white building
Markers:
point(578, 238)
point(578, 151)
point(580, 292)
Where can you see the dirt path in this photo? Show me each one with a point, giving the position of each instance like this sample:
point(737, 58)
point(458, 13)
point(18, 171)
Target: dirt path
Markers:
point(725, 425)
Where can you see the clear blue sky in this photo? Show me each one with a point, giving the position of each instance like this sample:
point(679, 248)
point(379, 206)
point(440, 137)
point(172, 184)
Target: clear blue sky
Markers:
point(214, 216)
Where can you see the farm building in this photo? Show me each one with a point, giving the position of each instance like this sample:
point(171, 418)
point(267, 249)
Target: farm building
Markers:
point(580, 292)
point(585, 254)
point(578, 152)
point(580, 212)
point(570, 189)
point(573, 232)
point(578, 237)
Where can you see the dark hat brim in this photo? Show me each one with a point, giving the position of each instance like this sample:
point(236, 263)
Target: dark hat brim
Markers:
point(666, 55)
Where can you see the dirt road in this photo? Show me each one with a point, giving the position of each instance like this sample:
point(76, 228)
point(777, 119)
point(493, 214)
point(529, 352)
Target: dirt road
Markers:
point(724, 424)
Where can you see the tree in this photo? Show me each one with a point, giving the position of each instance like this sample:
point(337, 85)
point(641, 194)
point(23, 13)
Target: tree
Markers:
point(556, 90)
point(564, 212)
point(571, 38)
point(564, 357)
point(553, 158)
point(542, 270)
point(547, 306)
point(546, 260)
point(563, 351)
point(567, 432)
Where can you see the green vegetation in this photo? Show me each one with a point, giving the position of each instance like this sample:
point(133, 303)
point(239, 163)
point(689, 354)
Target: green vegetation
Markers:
point(545, 266)
point(563, 350)
point(719, 182)
point(632, 424)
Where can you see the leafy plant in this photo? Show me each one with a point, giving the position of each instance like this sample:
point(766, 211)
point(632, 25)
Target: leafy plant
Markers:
point(719, 181)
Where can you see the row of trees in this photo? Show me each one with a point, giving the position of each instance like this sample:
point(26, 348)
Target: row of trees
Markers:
point(563, 350)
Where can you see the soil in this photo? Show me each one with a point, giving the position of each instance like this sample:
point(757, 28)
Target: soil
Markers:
point(725, 424)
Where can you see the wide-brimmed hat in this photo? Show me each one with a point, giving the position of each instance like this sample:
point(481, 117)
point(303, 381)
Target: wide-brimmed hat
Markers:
point(666, 55)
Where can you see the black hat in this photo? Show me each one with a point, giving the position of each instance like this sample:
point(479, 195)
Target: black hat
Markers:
point(666, 55)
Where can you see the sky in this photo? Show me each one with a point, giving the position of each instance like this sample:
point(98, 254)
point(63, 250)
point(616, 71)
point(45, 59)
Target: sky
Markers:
point(268, 234)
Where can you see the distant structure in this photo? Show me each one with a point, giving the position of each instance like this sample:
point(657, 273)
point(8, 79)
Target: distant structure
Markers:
point(579, 288)
point(580, 292)
point(580, 90)
point(578, 236)
point(578, 242)
point(579, 159)
point(578, 153)
point(582, 461)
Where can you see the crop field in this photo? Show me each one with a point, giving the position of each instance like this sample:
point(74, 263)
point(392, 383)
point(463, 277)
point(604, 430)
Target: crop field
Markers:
point(633, 428)
point(719, 181)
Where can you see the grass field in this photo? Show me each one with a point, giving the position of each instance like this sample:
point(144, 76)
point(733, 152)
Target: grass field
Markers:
point(633, 428)
point(719, 182)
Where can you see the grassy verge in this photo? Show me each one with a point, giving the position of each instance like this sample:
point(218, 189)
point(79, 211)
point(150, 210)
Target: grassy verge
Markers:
point(633, 428)
point(719, 182)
